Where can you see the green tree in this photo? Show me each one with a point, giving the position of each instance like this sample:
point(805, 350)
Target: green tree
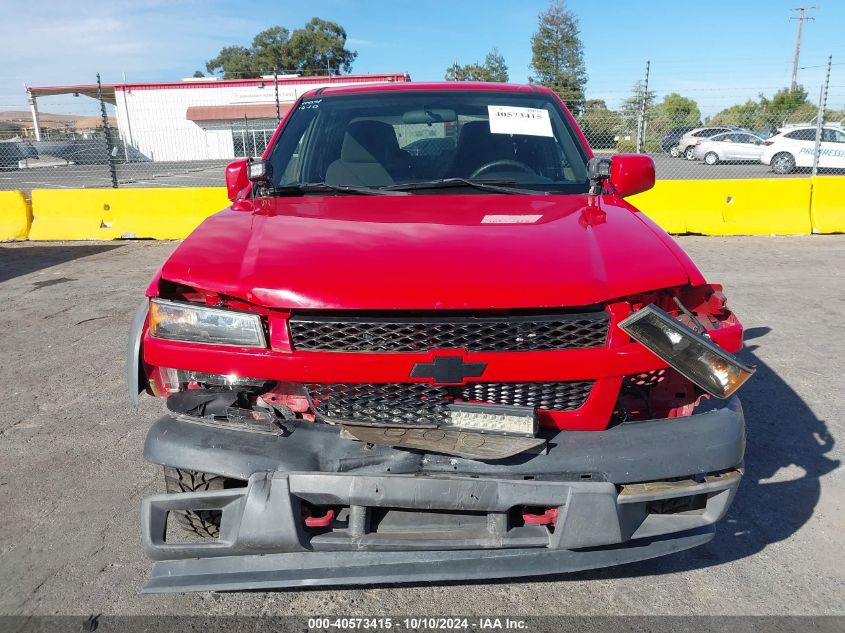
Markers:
point(494, 68)
point(269, 49)
point(786, 101)
point(600, 124)
point(233, 62)
point(750, 115)
point(679, 111)
point(198, 74)
point(317, 48)
point(557, 55)
point(633, 105)
point(786, 106)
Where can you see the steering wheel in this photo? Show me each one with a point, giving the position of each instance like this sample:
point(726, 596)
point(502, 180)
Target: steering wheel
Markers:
point(492, 165)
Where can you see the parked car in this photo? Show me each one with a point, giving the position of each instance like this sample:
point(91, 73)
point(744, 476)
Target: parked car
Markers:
point(687, 141)
point(373, 375)
point(13, 152)
point(669, 141)
point(729, 146)
point(794, 147)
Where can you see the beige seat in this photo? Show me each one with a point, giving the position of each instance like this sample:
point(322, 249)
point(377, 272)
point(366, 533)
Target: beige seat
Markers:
point(369, 156)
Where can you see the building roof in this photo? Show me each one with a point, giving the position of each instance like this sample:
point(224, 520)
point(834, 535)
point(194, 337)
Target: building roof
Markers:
point(109, 91)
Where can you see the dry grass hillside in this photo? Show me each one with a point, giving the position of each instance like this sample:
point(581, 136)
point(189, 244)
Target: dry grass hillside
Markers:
point(21, 120)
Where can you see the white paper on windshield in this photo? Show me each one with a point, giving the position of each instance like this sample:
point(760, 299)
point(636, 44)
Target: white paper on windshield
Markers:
point(513, 120)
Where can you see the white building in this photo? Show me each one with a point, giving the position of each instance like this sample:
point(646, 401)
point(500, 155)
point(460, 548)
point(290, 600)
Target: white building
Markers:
point(201, 119)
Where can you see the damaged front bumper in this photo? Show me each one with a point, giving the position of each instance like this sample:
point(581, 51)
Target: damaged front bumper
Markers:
point(637, 491)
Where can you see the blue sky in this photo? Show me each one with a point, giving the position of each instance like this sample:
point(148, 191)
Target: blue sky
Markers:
point(717, 52)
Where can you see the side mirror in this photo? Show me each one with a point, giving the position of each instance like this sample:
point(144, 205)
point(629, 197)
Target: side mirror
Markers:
point(236, 178)
point(631, 173)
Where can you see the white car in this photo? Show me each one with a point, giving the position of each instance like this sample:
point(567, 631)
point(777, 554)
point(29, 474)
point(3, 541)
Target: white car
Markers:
point(729, 146)
point(794, 146)
point(687, 142)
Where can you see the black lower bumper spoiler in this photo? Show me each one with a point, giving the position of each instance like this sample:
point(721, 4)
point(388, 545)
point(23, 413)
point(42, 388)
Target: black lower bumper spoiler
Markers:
point(308, 569)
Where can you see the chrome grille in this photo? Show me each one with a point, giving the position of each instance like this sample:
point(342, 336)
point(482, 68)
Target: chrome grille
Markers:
point(420, 403)
point(477, 334)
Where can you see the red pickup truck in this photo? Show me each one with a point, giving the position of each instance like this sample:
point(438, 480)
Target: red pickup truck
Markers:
point(430, 340)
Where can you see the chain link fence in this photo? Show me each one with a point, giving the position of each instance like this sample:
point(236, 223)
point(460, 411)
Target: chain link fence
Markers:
point(763, 145)
point(184, 135)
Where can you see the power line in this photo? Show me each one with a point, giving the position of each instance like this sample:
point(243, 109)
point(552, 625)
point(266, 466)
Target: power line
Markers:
point(824, 65)
point(802, 15)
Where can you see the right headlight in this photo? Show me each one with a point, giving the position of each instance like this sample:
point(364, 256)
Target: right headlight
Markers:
point(193, 323)
point(693, 355)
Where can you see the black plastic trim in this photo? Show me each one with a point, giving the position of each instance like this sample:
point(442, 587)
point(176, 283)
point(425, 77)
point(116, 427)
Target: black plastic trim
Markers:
point(633, 452)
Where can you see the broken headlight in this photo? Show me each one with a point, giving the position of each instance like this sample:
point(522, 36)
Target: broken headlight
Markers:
point(199, 324)
point(693, 355)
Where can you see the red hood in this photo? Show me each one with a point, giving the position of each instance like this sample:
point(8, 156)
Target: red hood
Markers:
point(425, 252)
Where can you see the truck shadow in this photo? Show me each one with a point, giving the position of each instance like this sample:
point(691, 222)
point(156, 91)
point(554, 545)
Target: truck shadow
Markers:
point(786, 455)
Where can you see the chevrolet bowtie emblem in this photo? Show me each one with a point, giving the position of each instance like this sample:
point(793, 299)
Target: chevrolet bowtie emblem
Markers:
point(448, 370)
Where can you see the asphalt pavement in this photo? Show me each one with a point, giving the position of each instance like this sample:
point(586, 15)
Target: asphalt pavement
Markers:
point(211, 174)
point(129, 175)
point(72, 473)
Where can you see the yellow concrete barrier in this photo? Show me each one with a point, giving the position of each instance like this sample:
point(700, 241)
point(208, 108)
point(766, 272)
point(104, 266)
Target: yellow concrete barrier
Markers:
point(709, 207)
point(828, 208)
point(15, 216)
point(105, 214)
point(761, 206)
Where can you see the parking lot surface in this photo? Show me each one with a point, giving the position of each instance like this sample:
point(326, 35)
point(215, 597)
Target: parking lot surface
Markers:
point(211, 174)
point(72, 474)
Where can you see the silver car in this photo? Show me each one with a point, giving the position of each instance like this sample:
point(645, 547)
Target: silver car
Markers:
point(687, 142)
point(729, 146)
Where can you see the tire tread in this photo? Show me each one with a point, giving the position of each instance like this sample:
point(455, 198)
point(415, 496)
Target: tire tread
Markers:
point(204, 523)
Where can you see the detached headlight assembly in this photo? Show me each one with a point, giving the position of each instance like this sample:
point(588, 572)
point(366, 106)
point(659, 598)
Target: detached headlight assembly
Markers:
point(693, 355)
point(198, 324)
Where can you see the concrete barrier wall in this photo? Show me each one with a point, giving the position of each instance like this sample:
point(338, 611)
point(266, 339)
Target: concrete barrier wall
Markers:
point(827, 211)
point(729, 207)
point(15, 216)
point(105, 214)
point(787, 206)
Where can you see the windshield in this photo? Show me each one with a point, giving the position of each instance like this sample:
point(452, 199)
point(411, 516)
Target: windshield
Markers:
point(429, 140)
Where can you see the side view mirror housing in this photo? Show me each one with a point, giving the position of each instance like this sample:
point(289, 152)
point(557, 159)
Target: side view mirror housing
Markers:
point(236, 178)
point(631, 173)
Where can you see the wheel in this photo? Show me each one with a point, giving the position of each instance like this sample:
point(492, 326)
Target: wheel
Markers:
point(711, 158)
point(205, 523)
point(689, 153)
point(674, 152)
point(783, 163)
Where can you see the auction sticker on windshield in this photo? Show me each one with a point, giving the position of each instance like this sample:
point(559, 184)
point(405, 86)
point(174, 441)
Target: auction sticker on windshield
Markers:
point(513, 120)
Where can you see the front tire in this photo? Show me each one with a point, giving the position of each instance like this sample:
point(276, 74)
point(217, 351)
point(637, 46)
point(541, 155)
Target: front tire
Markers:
point(674, 152)
point(689, 153)
point(783, 163)
point(205, 523)
point(711, 158)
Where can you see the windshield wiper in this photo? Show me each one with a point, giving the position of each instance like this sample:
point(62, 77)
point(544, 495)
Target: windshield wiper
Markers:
point(298, 189)
point(496, 186)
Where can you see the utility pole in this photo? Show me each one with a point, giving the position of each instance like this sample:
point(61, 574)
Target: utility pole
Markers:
point(641, 121)
point(802, 15)
point(820, 116)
